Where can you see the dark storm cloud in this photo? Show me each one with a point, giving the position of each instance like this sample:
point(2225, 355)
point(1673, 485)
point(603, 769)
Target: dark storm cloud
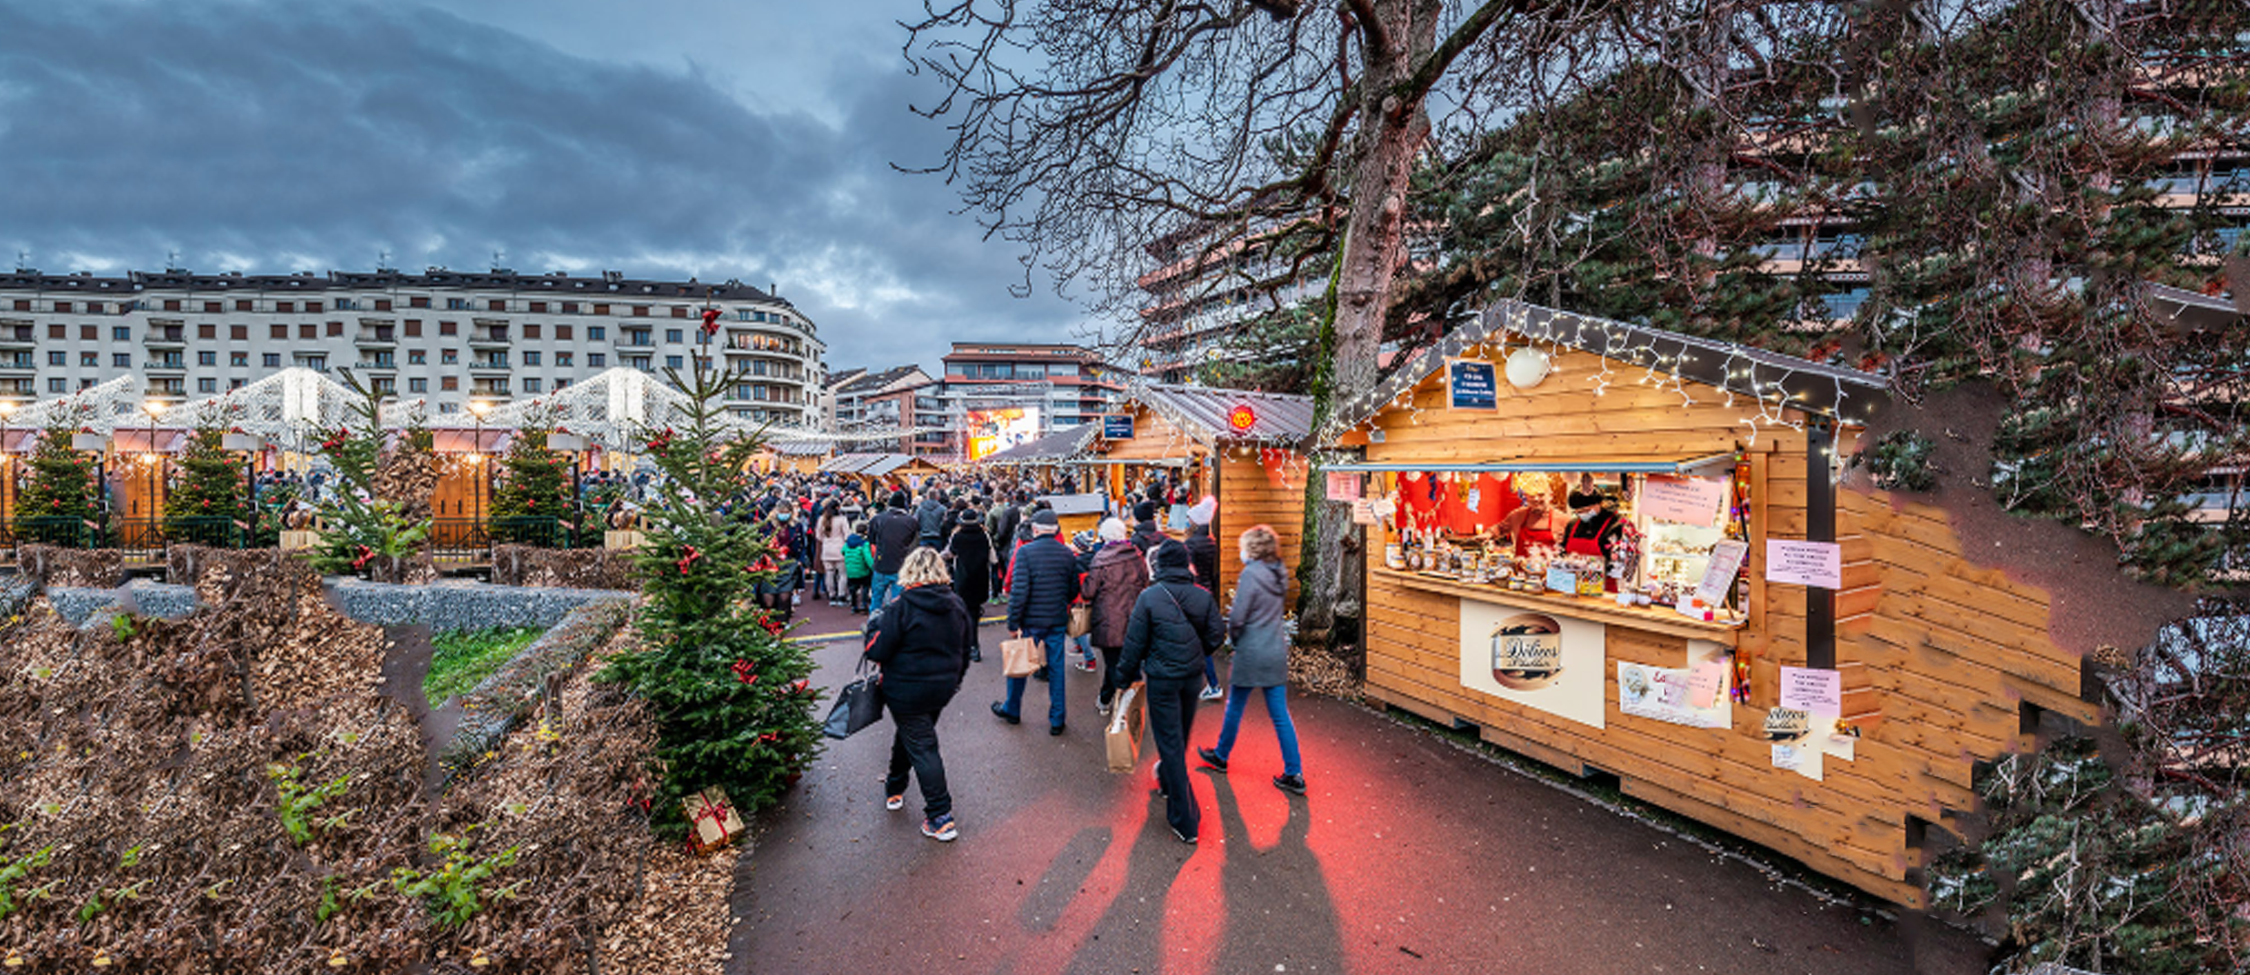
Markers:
point(312, 136)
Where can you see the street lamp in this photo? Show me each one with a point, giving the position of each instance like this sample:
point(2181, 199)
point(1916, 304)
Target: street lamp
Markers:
point(477, 409)
point(155, 408)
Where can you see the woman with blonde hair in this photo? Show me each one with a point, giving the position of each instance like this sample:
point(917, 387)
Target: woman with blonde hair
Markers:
point(921, 641)
point(1261, 655)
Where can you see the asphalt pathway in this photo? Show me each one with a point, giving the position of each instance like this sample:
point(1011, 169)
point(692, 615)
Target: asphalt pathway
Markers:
point(1406, 855)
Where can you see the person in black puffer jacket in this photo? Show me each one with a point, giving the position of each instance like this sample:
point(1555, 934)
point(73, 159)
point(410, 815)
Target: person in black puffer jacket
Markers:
point(1203, 557)
point(921, 641)
point(1146, 536)
point(1175, 625)
point(1042, 583)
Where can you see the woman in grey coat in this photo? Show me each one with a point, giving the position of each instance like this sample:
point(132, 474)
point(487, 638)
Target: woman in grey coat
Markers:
point(1261, 655)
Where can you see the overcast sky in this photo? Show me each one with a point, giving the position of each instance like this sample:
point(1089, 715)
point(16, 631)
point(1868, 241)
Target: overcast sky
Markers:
point(748, 139)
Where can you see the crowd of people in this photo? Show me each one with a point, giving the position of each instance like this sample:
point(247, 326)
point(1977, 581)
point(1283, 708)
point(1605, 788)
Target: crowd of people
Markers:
point(923, 563)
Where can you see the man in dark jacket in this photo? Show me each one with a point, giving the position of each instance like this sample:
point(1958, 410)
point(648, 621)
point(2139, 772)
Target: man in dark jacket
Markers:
point(930, 517)
point(1146, 536)
point(1175, 625)
point(893, 533)
point(1042, 583)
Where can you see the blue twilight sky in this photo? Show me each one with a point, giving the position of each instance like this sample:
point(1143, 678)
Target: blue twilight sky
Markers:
point(722, 139)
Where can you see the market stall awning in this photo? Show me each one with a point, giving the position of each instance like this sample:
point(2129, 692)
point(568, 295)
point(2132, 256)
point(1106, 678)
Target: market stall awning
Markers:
point(1548, 465)
point(1211, 414)
point(1059, 446)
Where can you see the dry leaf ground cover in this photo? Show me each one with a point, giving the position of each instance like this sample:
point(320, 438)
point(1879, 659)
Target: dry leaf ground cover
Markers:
point(232, 792)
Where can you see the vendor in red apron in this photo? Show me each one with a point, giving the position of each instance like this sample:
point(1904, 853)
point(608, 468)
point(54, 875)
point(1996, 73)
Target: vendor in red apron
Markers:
point(1534, 525)
point(1594, 527)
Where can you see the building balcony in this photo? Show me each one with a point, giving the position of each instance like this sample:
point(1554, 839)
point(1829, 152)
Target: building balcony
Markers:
point(493, 338)
point(12, 336)
point(488, 365)
point(377, 337)
point(18, 364)
point(636, 342)
point(487, 390)
point(165, 365)
point(162, 336)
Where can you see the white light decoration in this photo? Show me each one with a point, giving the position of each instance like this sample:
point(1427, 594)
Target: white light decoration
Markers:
point(1528, 367)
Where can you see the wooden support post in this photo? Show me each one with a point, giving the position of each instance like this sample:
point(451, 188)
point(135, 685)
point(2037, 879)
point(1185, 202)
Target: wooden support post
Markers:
point(1820, 526)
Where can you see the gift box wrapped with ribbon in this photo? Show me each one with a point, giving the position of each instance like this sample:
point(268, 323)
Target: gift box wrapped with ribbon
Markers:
point(715, 821)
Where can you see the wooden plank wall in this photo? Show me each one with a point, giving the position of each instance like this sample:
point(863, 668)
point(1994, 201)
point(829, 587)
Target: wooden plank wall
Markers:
point(1937, 653)
point(1246, 498)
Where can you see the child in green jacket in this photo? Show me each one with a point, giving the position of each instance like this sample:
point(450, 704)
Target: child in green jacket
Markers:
point(859, 566)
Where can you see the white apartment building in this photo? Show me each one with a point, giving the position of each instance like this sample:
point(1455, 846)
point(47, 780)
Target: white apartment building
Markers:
point(444, 336)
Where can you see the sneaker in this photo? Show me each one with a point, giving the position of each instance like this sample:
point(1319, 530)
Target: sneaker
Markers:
point(1212, 694)
point(895, 803)
point(1211, 758)
point(1086, 665)
point(975, 655)
point(941, 829)
point(1290, 783)
point(1183, 837)
point(1055, 730)
point(1001, 712)
point(1101, 708)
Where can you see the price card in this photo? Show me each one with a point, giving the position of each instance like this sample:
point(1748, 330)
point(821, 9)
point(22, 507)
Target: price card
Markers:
point(1562, 579)
point(1343, 486)
point(1718, 575)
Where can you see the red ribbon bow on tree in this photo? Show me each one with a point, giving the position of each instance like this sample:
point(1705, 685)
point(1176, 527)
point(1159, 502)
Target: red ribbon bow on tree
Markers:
point(661, 441)
point(366, 555)
point(688, 559)
point(772, 625)
point(745, 671)
point(710, 321)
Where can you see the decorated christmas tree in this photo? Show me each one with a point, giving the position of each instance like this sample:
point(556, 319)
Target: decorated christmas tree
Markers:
point(208, 500)
point(733, 699)
point(534, 485)
point(362, 534)
point(57, 501)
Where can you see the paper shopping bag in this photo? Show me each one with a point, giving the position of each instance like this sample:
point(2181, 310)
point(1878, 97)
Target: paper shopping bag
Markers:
point(1019, 657)
point(1122, 737)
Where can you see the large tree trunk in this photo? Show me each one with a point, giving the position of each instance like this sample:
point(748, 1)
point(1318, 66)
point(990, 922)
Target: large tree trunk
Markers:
point(1391, 135)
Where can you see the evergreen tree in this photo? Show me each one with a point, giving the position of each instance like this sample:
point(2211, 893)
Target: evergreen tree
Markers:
point(733, 698)
point(208, 483)
point(362, 534)
point(535, 483)
point(58, 501)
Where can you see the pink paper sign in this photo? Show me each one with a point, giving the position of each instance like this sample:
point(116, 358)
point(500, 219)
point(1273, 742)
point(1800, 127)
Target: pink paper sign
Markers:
point(1807, 689)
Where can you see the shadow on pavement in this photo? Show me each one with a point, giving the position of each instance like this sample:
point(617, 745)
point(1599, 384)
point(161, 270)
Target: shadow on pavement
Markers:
point(1131, 933)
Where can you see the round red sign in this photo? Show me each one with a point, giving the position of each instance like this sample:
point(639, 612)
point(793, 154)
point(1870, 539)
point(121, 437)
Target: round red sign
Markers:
point(1243, 418)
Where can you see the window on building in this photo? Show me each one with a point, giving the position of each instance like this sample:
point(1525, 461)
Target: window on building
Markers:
point(538, 306)
point(343, 304)
point(89, 333)
point(58, 358)
point(417, 385)
point(62, 307)
point(449, 356)
point(562, 333)
point(120, 333)
point(121, 360)
point(449, 328)
point(271, 360)
point(570, 308)
point(285, 307)
point(413, 328)
point(640, 311)
point(596, 360)
point(207, 358)
point(207, 384)
point(245, 304)
point(679, 311)
point(449, 407)
point(207, 331)
point(239, 333)
point(60, 385)
point(672, 362)
point(236, 383)
point(561, 384)
point(562, 360)
point(312, 308)
point(335, 329)
point(456, 304)
point(382, 304)
point(531, 384)
point(23, 304)
point(83, 384)
point(171, 304)
point(531, 330)
point(386, 386)
point(308, 330)
point(278, 331)
point(672, 336)
point(418, 301)
point(600, 309)
point(90, 359)
point(531, 358)
point(214, 307)
point(449, 382)
point(57, 330)
point(317, 363)
point(239, 360)
point(497, 304)
point(595, 333)
point(417, 357)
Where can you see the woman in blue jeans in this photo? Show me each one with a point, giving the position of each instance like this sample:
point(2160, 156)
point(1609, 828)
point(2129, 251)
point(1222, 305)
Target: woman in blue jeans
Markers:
point(1261, 655)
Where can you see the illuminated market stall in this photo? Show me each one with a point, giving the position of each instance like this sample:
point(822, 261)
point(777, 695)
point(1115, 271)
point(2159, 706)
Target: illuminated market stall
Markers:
point(1623, 550)
point(1241, 448)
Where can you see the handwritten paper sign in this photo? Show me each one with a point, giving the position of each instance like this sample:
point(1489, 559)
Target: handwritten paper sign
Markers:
point(1343, 486)
point(1667, 695)
point(1694, 501)
point(1705, 682)
point(1719, 573)
point(1804, 563)
point(1363, 513)
point(1811, 690)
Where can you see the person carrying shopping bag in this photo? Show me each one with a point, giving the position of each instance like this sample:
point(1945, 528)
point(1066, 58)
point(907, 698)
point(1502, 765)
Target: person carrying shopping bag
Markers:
point(1175, 624)
point(1261, 655)
point(921, 642)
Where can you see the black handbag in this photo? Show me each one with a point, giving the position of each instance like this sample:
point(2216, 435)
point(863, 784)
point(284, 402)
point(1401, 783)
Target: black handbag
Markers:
point(858, 704)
